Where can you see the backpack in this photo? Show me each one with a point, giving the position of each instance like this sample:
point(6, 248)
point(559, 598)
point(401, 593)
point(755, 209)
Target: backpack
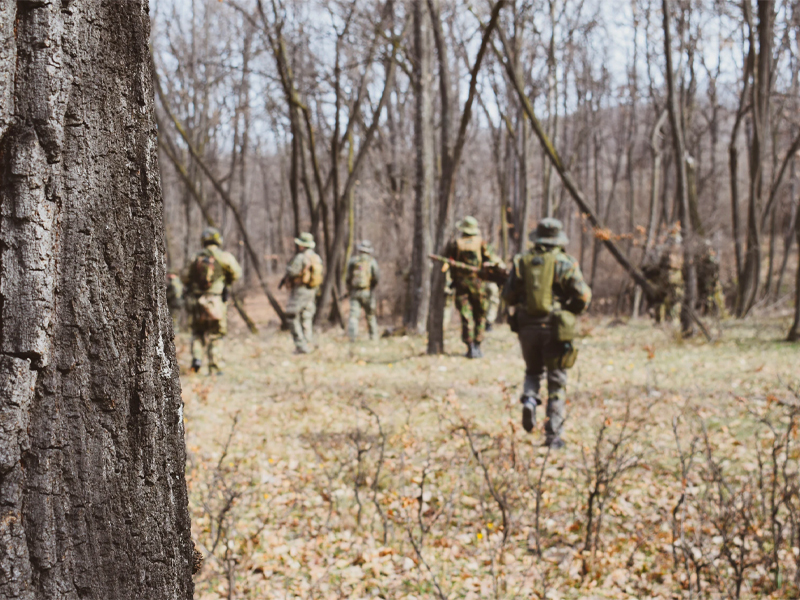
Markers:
point(470, 250)
point(204, 270)
point(538, 270)
point(312, 273)
point(361, 275)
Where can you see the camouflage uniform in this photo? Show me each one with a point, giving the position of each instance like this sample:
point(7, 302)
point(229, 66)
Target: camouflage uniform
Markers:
point(174, 298)
point(362, 277)
point(204, 302)
point(537, 334)
point(303, 299)
point(664, 270)
point(710, 297)
point(493, 290)
point(471, 295)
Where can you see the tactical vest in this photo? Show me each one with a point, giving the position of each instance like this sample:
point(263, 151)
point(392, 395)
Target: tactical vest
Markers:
point(204, 270)
point(470, 250)
point(312, 273)
point(538, 270)
point(361, 275)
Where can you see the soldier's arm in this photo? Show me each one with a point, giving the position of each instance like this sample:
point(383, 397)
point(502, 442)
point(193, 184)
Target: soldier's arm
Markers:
point(231, 267)
point(296, 266)
point(577, 292)
point(513, 290)
point(376, 273)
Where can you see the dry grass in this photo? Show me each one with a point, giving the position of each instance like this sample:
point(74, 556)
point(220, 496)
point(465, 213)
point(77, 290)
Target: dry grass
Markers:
point(372, 470)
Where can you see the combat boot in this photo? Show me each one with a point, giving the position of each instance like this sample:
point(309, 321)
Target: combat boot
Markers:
point(528, 412)
point(196, 364)
point(554, 443)
point(470, 351)
point(476, 350)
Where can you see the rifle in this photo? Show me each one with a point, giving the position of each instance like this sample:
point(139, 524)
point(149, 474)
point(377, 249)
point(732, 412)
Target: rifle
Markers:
point(487, 271)
point(283, 281)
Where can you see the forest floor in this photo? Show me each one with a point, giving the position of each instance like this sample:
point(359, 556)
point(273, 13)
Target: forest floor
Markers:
point(373, 470)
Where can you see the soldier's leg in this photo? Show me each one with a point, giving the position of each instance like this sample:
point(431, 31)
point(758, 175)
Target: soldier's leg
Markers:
point(467, 320)
point(308, 319)
point(370, 308)
point(216, 332)
point(198, 346)
point(531, 343)
point(215, 362)
point(556, 403)
point(480, 305)
point(296, 327)
point(355, 315)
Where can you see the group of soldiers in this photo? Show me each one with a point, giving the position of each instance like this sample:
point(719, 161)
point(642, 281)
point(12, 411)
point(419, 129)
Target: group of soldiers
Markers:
point(664, 269)
point(202, 291)
point(544, 291)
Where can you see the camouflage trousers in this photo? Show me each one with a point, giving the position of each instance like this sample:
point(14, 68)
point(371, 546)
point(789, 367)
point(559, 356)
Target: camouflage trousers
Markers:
point(207, 338)
point(670, 308)
point(472, 304)
point(362, 300)
point(175, 313)
point(301, 310)
point(535, 342)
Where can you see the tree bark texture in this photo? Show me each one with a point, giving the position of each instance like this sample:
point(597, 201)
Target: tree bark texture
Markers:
point(419, 281)
point(93, 501)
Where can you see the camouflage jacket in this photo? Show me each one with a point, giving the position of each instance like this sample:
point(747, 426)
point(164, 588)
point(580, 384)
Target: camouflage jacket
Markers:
point(375, 273)
point(569, 288)
point(298, 265)
point(226, 273)
point(471, 250)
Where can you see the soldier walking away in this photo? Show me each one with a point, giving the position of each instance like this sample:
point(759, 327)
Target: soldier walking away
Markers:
point(547, 290)
point(174, 298)
point(207, 279)
point(362, 277)
point(304, 276)
point(710, 296)
point(471, 295)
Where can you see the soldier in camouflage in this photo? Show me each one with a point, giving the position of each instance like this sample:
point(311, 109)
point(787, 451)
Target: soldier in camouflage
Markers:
point(206, 279)
point(546, 289)
point(665, 272)
point(304, 276)
point(470, 290)
point(710, 296)
point(362, 277)
point(174, 298)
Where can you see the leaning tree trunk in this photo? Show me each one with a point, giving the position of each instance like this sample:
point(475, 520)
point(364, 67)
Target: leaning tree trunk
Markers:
point(93, 500)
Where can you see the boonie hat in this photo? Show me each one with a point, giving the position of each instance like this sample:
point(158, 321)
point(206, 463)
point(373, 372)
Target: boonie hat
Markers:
point(306, 240)
point(549, 232)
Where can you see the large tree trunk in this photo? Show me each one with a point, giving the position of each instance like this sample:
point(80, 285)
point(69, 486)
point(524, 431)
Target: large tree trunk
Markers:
point(94, 501)
point(416, 316)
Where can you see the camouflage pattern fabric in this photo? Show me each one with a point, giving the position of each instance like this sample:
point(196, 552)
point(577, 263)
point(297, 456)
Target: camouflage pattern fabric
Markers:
point(710, 296)
point(362, 300)
point(302, 304)
point(208, 332)
point(175, 299)
point(471, 295)
point(362, 277)
point(537, 334)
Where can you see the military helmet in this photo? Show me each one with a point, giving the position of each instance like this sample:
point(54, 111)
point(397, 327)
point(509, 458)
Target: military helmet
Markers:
point(365, 246)
point(549, 232)
point(469, 226)
point(211, 235)
point(306, 240)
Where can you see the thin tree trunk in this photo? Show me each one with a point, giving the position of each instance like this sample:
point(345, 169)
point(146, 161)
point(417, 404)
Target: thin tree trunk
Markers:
point(450, 162)
point(789, 238)
point(794, 332)
point(682, 187)
point(92, 452)
point(416, 316)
